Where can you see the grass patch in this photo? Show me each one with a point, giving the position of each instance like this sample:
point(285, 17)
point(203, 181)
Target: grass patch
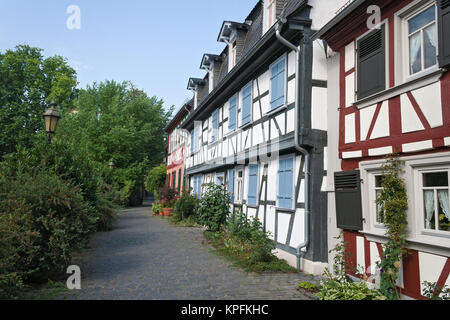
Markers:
point(186, 223)
point(308, 286)
point(242, 255)
point(49, 291)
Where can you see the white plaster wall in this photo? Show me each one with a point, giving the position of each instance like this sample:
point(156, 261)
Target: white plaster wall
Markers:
point(333, 161)
point(319, 108)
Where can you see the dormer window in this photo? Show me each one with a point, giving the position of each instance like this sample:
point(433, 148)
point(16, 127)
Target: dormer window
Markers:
point(194, 85)
point(233, 55)
point(271, 13)
point(231, 33)
point(211, 63)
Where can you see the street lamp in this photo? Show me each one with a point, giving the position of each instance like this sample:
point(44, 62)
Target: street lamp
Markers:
point(51, 117)
point(111, 165)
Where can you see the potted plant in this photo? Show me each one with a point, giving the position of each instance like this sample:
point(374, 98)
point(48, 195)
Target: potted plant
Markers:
point(157, 208)
point(168, 198)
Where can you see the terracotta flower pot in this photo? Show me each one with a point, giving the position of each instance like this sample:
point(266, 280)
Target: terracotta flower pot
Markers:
point(167, 212)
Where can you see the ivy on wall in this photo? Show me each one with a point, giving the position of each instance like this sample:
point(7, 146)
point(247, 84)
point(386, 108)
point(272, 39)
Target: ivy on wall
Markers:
point(393, 202)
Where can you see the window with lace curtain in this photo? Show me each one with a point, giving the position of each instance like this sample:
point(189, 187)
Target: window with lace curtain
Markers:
point(436, 200)
point(421, 28)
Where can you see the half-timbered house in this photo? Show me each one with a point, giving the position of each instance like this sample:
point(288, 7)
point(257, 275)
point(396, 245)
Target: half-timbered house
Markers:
point(259, 124)
point(389, 92)
point(176, 149)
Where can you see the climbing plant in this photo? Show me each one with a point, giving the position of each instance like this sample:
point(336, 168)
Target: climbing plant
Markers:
point(393, 204)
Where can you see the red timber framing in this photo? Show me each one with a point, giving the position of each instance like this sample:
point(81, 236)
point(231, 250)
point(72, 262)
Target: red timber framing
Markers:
point(395, 133)
point(343, 34)
point(410, 270)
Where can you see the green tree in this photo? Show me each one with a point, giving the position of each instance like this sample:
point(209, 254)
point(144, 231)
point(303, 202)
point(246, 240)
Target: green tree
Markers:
point(117, 122)
point(28, 82)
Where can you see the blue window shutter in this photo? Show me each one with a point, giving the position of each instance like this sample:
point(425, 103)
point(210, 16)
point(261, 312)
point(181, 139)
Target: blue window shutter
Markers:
point(246, 105)
point(232, 114)
point(231, 183)
point(192, 141)
point(277, 84)
point(196, 139)
point(215, 125)
point(252, 185)
point(285, 183)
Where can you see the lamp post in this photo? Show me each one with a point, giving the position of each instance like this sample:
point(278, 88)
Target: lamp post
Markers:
point(51, 117)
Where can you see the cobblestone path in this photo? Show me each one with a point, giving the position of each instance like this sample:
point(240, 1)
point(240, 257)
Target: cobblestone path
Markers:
point(145, 257)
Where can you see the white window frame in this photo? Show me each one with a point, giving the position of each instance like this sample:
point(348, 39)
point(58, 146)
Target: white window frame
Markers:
point(420, 217)
point(218, 176)
point(435, 242)
point(271, 4)
point(285, 57)
point(418, 9)
point(250, 84)
point(294, 175)
point(373, 210)
point(239, 196)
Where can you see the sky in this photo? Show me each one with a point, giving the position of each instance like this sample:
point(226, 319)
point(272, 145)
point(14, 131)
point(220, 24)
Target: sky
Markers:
point(157, 45)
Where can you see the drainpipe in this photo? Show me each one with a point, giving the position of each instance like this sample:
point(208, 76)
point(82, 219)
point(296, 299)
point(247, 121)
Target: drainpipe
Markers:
point(298, 147)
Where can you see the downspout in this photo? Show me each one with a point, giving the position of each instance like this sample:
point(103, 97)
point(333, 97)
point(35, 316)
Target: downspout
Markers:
point(298, 147)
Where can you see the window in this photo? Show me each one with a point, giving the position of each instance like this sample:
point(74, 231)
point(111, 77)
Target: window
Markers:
point(231, 184)
point(215, 125)
point(232, 114)
point(233, 55)
point(197, 190)
point(174, 179)
point(239, 185)
point(371, 64)
point(247, 104)
point(277, 83)
point(271, 13)
point(192, 141)
point(435, 192)
point(285, 197)
point(220, 179)
point(252, 196)
point(378, 189)
point(422, 40)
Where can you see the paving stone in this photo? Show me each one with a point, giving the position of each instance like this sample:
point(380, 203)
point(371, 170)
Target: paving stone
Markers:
point(146, 258)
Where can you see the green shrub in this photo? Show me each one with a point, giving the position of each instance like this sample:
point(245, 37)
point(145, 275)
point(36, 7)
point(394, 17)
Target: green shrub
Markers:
point(339, 286)
point(155, 179)
point(214, 207)
point(186, 206)
point(46, 219)
point(126, 192)
point(107, 206)
point(432, 291)
point(157, 207)
point(334, 289)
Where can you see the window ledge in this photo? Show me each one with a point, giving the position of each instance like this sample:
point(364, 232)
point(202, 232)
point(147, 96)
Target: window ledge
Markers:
point(276, 110)
point(434, 245)
point(285, 210)
point(245, 126)
point(412, 84)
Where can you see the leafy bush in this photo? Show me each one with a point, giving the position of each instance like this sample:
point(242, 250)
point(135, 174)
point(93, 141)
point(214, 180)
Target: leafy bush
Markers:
point(126, 192)
point(308, 286)
point(155, 179)
point(186, 206)
point(157, 207)
point(434, 292)
point(214, 207)
point(167, 194)
point(334, 289)
point(339, 286)
point(107, 206)
point(53, 216)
